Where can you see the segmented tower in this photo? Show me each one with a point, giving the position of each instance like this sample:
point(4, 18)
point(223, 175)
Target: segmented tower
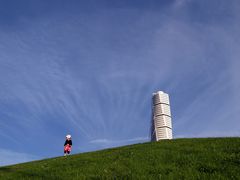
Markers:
point(161, 117)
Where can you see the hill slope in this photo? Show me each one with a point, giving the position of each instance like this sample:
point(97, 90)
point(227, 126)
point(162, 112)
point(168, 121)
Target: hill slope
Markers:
point(216, 158)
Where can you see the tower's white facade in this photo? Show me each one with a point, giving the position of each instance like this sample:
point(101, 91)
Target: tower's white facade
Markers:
point(161, 117)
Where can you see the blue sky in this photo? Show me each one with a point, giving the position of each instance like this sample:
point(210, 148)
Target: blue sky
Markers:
point(89, 68)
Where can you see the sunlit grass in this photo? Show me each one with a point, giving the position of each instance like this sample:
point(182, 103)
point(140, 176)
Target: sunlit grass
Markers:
point(207, 158)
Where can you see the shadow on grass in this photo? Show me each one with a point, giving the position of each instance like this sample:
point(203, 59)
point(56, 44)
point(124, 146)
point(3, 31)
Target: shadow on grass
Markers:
point(5, 169)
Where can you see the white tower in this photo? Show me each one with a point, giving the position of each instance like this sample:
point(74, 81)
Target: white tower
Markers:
point(161, 117)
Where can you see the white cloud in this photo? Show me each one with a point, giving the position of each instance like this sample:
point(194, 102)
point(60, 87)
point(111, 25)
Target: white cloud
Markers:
point(110, 142)
point(180, 3)
point(8, 157)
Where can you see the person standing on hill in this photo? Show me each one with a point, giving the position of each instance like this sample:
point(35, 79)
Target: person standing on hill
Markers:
point(68, 145)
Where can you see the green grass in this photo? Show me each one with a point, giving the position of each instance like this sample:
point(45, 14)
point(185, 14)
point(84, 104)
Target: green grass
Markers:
point(206, 158)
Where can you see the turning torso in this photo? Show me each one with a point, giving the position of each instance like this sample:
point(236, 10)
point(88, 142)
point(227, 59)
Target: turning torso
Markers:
point(161, 117)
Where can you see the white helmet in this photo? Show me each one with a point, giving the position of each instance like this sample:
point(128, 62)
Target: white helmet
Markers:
point(68, 136)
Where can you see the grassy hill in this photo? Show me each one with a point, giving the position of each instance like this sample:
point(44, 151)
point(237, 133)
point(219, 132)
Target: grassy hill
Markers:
point(206, 158)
